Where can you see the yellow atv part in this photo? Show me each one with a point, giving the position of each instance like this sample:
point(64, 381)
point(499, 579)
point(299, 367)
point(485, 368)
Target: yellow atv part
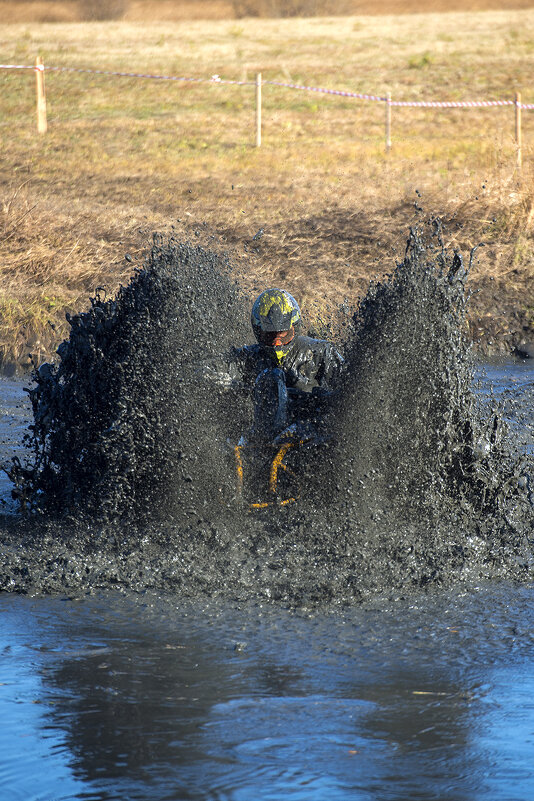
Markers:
point(276, 465)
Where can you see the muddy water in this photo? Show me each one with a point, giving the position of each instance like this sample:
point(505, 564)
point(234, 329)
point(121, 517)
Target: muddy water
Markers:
point(512, 384)
point(15, 414)
point(140, 697)
point(143, 698)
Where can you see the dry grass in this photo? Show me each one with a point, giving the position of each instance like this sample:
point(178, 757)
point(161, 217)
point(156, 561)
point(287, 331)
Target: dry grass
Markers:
point(48, 267)
point(124, 157)
point(35, 11)
point(151, 11)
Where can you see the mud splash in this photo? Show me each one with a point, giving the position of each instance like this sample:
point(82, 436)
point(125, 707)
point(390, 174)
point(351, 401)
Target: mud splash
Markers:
point(427, 486)
point(132, 478)
point(124, 426)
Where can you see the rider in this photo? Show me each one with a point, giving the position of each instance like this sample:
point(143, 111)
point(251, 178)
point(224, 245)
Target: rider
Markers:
point(290, 374)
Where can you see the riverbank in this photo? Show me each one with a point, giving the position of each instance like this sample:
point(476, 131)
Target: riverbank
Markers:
point(319, 208)
point(57, 260)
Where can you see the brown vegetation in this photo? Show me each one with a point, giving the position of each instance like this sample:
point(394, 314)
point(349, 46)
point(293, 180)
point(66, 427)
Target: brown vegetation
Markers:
point(15, 11)
point(92, 10)
point(125, 157)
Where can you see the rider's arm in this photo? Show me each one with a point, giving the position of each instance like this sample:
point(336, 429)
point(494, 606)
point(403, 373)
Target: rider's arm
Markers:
point(315, 369)
point(227, 370)
point(330, 367)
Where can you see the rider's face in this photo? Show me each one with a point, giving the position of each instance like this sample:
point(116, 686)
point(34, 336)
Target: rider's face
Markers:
point(275, 339)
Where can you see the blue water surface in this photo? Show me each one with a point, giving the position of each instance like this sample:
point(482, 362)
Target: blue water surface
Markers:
point(122, 697)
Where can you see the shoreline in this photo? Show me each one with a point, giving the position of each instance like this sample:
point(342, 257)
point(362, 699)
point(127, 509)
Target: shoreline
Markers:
point(499, 319)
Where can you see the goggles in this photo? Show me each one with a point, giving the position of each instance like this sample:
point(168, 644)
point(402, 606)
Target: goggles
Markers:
point(274, 339)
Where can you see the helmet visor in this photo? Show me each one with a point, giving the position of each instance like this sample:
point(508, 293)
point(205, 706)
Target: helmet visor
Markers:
point(274, 339)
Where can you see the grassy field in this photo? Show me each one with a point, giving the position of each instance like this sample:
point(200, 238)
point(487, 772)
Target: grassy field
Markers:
point(124, 157)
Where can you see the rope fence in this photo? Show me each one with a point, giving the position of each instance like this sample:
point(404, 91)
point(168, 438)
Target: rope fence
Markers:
point(389, 103)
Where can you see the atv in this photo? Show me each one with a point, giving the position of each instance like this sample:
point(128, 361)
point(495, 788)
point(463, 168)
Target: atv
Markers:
point(267, 459)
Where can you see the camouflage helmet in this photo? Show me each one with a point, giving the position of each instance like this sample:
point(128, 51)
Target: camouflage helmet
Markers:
point(274, 310)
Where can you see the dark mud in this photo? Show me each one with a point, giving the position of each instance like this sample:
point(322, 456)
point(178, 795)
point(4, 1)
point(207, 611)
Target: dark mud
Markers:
point(131, 481)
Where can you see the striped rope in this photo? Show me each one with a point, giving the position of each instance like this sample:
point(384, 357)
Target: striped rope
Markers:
point(16, 67)
point(213, 79)
point(453, 103)
point(301, 87)
point(326, 91)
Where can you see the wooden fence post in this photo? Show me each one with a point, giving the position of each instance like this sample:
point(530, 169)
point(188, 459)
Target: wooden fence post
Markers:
point(388, 122)
point(258, 109)
point(518, 128)
point(41, 96)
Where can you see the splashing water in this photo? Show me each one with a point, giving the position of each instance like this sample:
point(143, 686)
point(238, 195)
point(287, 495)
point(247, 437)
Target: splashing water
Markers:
point(133, 479)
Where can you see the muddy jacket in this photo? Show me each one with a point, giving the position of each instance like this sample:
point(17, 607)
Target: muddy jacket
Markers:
point(309, 364)
point(309, 371)
point(310, 367)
